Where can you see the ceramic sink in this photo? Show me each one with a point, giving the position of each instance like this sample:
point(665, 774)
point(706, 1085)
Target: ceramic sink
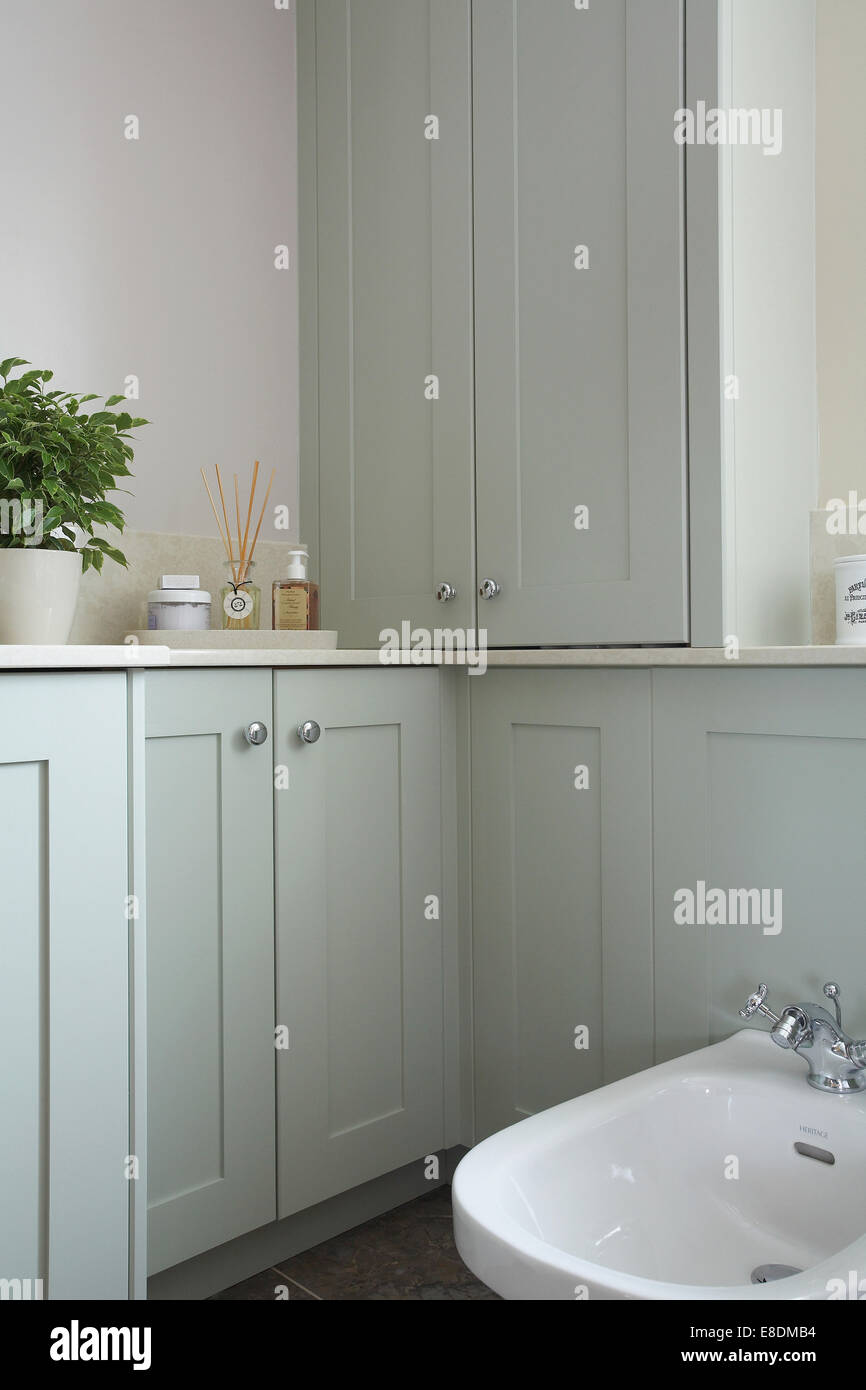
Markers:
point(675, 1183)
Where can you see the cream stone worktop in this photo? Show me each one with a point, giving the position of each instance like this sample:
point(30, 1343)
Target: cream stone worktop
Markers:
point(132, 657)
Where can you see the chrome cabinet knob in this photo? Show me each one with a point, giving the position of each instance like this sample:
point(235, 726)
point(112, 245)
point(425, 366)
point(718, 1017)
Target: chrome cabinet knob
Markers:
point(446, 592)
point(755, 1005)
point(489, 588)
point(256, 733)
point(309, 731)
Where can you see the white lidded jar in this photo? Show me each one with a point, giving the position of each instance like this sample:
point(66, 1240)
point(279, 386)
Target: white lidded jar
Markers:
point(178, 605)
point(850, 572)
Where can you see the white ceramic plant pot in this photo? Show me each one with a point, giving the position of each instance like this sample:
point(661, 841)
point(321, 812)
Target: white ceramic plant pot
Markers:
point(38, 594)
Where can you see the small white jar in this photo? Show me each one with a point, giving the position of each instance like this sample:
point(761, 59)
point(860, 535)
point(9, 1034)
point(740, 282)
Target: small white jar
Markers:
point(178, 605)
point(850, 572)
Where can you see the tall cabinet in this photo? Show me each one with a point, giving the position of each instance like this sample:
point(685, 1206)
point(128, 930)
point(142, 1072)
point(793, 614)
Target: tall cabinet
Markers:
point(544, 343)
point(492, 317)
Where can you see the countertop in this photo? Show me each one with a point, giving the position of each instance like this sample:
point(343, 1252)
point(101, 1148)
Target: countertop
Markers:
point(132, 656)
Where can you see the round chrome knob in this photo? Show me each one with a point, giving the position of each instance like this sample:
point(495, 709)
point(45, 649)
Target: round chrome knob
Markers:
point(446, 592)
point(309, 731)
point(489, 588)
point(256, 733)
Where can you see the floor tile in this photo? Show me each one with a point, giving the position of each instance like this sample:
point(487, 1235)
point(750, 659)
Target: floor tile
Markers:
point(407, 1253)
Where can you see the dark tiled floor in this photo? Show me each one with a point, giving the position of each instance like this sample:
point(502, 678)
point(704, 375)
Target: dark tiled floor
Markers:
point(408, 1253)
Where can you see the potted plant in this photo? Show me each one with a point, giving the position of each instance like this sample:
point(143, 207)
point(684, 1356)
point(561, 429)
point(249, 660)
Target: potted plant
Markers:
point(57, 465)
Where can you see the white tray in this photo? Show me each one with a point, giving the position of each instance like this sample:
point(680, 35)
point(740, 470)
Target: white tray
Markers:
point(238, 641)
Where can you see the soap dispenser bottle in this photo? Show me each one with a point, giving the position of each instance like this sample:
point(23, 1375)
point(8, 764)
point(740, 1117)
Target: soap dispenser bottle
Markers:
point(296, 598)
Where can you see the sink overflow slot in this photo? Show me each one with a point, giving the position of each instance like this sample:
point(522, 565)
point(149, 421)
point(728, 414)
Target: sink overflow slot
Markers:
point(812, 1151)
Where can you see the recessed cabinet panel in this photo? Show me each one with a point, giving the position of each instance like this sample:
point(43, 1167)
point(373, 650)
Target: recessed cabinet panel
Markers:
point(562, 912)
point(394, 317)
point(364, 926)
point(760, 871)
point(555, 858)
point(64, 1011)
point(186, 1083)
point(210, 961)
point(579, 321)
point(24, 1006)
point(359, 929)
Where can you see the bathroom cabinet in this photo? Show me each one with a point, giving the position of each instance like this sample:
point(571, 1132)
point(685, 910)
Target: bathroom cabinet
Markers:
point(258, 1110)
point(577, 343)
point(544, 344)
point(562, 886)
point(67, 1174)
point(210, 961)
point(359, 929)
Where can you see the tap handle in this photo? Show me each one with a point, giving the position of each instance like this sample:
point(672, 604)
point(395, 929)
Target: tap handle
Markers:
point(755, 1005)
point(832, 991)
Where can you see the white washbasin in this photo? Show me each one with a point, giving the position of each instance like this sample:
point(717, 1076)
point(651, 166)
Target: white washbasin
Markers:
point(623, 1193)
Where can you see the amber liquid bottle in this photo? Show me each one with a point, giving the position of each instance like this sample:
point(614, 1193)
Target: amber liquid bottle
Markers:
point(296, 599)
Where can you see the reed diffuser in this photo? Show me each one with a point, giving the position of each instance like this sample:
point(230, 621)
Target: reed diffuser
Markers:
point(240, 598)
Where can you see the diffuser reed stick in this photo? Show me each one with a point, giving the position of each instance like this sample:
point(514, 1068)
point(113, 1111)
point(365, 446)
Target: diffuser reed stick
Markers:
point(250, 511)
point(228, 528)
point(241, 562)
point(214, 510)
point(264, 506)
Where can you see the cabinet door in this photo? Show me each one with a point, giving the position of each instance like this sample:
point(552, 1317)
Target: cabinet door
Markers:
point(210, 961)
point(64, 1016)
point(359, 943)
point(562, 898)
point(391, 324)
point(759, 779)
point(579, 321)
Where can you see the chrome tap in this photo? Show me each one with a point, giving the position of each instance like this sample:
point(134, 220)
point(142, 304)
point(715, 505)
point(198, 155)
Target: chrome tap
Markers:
point(836, 1062)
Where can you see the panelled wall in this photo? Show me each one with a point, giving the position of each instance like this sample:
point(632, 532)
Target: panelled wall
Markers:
point(598, 799)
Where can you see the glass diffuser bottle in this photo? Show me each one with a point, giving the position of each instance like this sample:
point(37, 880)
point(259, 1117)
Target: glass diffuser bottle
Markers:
point(240, 599)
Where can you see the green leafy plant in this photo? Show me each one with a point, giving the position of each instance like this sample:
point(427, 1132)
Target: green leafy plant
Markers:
point(62, 461)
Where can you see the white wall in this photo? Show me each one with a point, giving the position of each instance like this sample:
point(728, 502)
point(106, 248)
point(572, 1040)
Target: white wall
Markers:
point(155, 257)
point(841, 82)
point(772, 429)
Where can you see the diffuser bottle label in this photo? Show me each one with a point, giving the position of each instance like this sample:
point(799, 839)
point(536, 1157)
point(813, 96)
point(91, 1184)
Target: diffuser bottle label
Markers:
point(237, 604)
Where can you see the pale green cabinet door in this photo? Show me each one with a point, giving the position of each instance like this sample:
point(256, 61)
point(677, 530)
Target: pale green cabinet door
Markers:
point(64, 1013)
point(760, 860)
point(387, 387)
point(562, 897)
point(579, 292)
point(359, 929)
point(210, 961)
